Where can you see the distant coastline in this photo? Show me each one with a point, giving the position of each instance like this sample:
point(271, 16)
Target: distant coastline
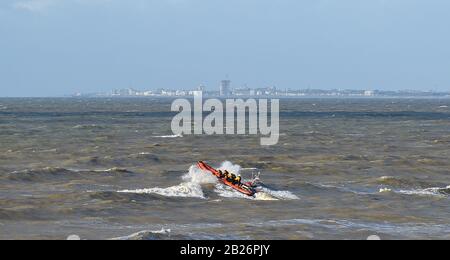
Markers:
point(437, 97)
point(269, 93)
point(257, 93)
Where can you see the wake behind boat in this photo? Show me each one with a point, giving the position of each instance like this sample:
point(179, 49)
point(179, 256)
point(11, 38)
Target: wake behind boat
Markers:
point(244, 188)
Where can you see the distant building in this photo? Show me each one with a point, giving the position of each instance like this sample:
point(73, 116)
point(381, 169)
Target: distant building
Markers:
point(225, 88)
point(125, 92)
point(369, 93)
point(242, 92)
point(197, 93)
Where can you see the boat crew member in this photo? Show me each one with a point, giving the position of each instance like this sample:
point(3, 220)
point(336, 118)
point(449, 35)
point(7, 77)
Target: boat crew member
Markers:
point(227, 175)
point(221, 174)
point(238, 180)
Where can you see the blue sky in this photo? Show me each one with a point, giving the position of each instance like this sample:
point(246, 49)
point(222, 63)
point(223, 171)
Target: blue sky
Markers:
point(58, 47)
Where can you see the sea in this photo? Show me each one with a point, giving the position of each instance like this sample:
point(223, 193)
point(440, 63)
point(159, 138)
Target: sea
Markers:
point(100, 168)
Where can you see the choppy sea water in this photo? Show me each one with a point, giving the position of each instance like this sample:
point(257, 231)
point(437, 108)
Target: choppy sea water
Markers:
point(112, 169)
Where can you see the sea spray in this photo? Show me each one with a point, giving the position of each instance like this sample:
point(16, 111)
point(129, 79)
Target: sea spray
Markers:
point(191, 187)
point(263, 193)
point(229, 166)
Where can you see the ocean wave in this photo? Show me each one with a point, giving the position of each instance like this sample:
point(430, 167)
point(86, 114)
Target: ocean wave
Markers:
point(146, 156)
point(409, 187)
point(385, 190)
point(435, 191)
point(20, 214)
point(264, 194)
point(183, 233)
point(401, 230)
point(281, 195)
point(345, 188)
point(38, 174)
point(400, 183)
point(109, 170)
point(208, 231)
point(147, 235)
point(389, 185)
point(116, 197)
point(227, 192)
point(189, 188)
point(51, 173)
point(184, 190)
point(169, 136)
point(91, 126)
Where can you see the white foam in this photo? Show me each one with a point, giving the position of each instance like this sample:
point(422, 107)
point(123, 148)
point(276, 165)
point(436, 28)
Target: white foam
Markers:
point(228, 166)
point(264, 196)
point(281, 195)
point(426, 192)
point(190, 188)
point(227, 192)
point(143, 233)
point(185, 190)
point(195, 175)
point(115, 169)
point(169, 136)
point(417, 192)
point(111, 170)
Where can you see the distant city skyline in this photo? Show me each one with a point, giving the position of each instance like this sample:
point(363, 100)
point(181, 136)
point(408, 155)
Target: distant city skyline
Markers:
point(226, 90)
point(60, 47)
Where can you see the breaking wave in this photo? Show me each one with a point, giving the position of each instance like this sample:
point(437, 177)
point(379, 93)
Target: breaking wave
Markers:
point(325, 227)
point(186, 190)
point(89, 127)
point(169, 136)
point(282, 195)
point(50, 173)
point(442, 192)
point(388, 185)
point(191, 187)
point(147, 235)
point(409, 187)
